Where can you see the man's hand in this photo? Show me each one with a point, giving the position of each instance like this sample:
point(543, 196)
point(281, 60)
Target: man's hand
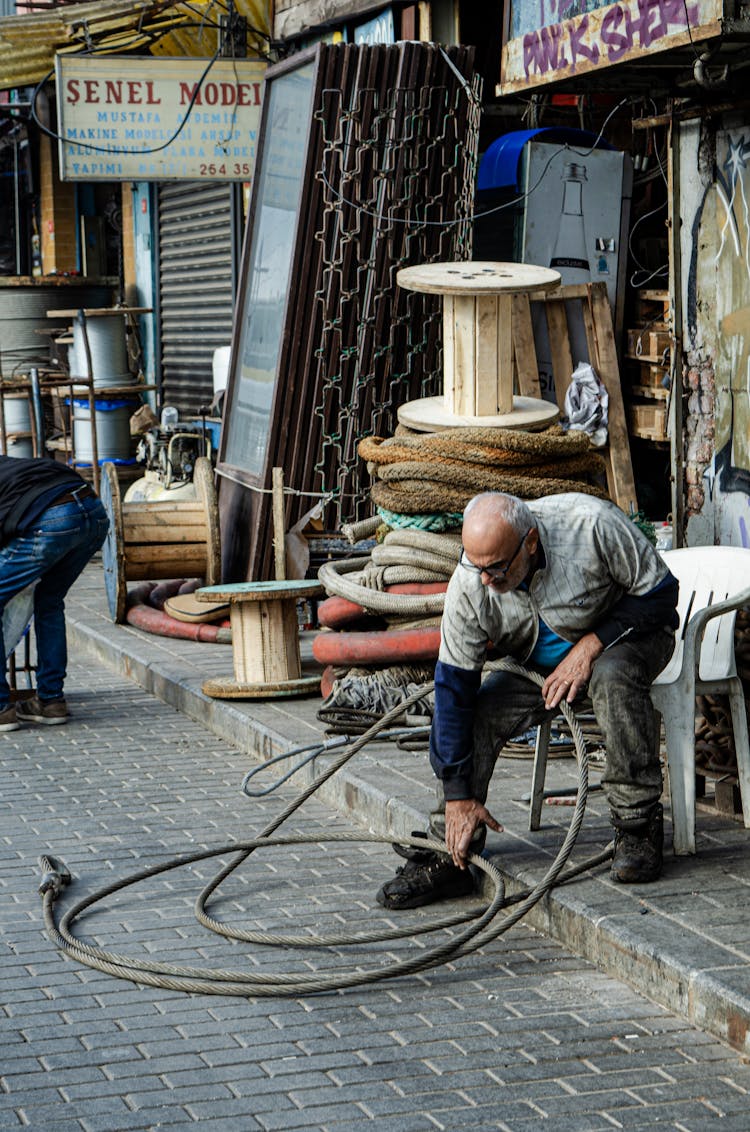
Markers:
point(461, 819)
point(573, 673)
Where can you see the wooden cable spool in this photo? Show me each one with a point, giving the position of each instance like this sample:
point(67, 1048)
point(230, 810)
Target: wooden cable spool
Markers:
point(265, 639)
point(159, 539)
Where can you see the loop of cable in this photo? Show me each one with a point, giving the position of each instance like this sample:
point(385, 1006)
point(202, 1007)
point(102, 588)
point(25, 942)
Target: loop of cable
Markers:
point(470, 930)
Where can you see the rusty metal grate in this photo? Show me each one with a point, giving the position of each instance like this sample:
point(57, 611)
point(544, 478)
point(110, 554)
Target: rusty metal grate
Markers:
point(388, 181)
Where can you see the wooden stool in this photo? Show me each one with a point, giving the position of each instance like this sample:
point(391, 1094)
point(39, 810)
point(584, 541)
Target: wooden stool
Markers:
point(478, 345)
point(265, 639)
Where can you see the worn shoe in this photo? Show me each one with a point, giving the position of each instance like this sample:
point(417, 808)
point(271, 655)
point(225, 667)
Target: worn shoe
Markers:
point(34, 710)
point(426, 877)
point(638, 849)
point(8, 719)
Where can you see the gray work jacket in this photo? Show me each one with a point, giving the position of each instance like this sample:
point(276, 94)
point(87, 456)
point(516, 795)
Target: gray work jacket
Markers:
point(594, 555)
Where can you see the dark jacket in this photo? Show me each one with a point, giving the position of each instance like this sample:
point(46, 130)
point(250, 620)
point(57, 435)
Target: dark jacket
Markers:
point(22, 481)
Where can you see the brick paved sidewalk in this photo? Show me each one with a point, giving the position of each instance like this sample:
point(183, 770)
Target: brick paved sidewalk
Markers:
point(519, 1037)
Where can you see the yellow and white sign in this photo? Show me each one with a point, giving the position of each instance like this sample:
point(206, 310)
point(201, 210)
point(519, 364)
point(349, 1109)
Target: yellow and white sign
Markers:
point(122, 118)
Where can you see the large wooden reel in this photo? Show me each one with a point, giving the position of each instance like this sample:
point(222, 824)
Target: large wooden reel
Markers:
point(159, 539)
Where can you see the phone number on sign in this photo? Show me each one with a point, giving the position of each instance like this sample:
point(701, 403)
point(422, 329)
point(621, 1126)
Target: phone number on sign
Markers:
point(238, 169)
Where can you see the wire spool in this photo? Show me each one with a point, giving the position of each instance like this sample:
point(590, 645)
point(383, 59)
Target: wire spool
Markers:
point(108, 348)
point(152, 541)
point(17, 413)
point(21, 445)
point(17, 439)
point(112, 422)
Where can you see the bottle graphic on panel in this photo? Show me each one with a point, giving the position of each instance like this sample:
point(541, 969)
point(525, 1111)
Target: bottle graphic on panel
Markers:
point(569, 255)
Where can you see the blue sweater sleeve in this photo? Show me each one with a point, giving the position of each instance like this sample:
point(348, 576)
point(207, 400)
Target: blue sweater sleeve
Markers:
point(452, 726)
point(655, 610)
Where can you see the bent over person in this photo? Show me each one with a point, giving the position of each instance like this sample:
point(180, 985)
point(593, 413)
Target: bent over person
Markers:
point(569, 586)
point(51, 522)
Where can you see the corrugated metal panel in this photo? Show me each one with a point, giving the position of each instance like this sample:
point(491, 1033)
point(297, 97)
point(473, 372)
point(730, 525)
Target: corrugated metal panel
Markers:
point(28, 43)
point(196, 288)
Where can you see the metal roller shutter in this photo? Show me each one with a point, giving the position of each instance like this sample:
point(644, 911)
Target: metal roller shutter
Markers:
point(196, 288)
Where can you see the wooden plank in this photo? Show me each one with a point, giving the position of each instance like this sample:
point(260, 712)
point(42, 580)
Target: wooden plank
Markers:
point(568, 291)
point(562, 359)
point(527, 370)
point(279, 534)
point(620, 481)
point(488, 346)
point(676, 407)
point(156, 557)
point(591, 339)
point(158, 514)
point(137, 534)
point(505, 354)
point(464, 356)
point(182, 562)
point(451, 393)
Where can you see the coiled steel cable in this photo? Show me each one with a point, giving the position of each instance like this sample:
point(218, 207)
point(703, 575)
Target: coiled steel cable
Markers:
point(481, 926)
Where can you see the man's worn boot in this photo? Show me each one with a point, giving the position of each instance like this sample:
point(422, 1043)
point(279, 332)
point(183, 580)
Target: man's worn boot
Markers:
point(426, 877)
point(638, 848)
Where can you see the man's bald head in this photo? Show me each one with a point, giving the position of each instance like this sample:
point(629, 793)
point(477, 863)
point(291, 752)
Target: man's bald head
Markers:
point(493, 529)
point(493, 507)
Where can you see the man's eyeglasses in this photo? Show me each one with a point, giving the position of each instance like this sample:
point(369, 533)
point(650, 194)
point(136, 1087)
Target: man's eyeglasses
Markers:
point(495, 569)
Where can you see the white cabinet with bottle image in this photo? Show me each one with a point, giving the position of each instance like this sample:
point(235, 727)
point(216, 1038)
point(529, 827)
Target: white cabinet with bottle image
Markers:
point(575, 219)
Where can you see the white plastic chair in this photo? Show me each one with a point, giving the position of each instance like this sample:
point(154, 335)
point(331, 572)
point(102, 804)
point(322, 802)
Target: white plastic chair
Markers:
point(714, 584)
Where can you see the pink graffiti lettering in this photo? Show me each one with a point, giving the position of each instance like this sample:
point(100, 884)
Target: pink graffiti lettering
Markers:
point(617, 43)
point(541, 49)
point(622, 28)
point(577, 47)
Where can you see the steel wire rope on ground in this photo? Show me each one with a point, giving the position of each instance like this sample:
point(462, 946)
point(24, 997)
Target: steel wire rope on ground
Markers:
point(479, 927)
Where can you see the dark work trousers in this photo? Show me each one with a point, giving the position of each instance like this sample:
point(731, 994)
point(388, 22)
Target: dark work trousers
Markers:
point(508, 705)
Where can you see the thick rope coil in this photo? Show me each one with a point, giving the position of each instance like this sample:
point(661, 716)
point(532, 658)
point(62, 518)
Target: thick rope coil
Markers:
point(432, 473)
point(404, 556)
point(332, 576)
point(485, 478)
point(395, 556)
point(379, 577)
point(356, 532)
point(476, 445)
point(446, 545)
point(414, 496)
point(438, 521)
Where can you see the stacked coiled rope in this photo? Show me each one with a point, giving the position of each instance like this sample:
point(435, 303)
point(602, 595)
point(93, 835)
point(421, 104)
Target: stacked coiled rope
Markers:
point(440, 472)
point(405, 556)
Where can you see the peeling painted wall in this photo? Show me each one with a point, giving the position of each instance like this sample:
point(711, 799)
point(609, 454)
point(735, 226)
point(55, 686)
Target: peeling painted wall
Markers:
point(715, 210)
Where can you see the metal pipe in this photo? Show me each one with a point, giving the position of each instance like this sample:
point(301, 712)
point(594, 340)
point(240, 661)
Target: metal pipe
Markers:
point(16, 205)
point(36, 406)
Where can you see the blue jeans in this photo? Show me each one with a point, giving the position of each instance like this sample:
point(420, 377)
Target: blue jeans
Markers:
point(53, 554)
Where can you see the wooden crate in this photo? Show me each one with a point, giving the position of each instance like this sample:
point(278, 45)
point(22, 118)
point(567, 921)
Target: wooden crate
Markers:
point(647, 420)
point(652, 308)
point(648, 344)
point(646, 379)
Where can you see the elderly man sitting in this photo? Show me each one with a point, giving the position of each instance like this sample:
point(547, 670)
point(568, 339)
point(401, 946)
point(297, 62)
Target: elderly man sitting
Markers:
point(569, 586)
